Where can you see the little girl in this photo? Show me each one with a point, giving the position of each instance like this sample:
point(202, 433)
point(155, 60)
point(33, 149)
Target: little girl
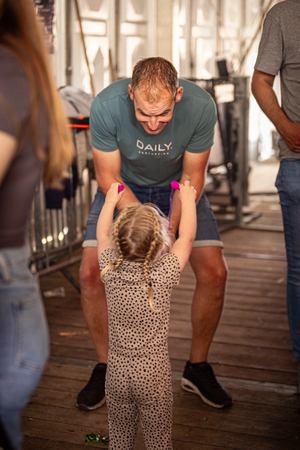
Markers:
point(139, 276)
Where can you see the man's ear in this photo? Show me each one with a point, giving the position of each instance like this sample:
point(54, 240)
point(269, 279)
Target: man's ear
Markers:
point(179, 94)
point(130, 91)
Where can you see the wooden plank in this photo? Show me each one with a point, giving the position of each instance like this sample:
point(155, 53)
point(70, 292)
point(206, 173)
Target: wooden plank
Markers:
point(253, 319)
point(244, 373)
point(272, 339)
point(238, 355)
point(252, 289)
point(240, 410)
point(240, 301)
point(33, 443)
point(236, 262)
point(232, 440)
point(88, 354)
point(225, 421)
point(59, 432)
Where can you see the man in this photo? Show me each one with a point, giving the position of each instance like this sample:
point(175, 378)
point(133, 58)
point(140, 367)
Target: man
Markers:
point(279, 52)
point(146, 132)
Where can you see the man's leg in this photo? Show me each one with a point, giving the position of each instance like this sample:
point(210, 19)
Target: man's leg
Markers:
point(94, 308)
point(287, 183)
point(93, 302)
point(210, 270)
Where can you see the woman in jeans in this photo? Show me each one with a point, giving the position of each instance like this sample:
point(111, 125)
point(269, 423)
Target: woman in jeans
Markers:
point(34, 139)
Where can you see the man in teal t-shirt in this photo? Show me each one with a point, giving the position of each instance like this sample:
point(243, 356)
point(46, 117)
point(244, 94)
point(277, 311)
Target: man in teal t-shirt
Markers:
point(146, 132)
point(146, 159)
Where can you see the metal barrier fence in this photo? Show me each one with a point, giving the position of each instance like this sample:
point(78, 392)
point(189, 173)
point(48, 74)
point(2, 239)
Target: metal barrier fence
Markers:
point(57, 222)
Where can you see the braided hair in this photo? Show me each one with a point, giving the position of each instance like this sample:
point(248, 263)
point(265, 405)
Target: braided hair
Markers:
point(139, 233)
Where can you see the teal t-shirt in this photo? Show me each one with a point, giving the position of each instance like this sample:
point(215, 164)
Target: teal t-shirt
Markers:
point(152, 160)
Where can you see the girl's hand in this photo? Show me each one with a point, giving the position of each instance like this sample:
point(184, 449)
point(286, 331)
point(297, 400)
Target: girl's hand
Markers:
point(112, 195)
point(187, 192)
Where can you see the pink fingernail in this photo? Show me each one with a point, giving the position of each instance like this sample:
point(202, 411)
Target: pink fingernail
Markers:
point(175, 185)
point(120, 188)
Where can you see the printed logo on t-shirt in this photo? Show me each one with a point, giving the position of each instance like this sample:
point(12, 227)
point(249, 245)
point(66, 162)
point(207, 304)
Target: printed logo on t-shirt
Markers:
point(157, 149)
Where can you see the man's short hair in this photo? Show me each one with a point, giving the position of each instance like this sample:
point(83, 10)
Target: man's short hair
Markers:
point(152, 75)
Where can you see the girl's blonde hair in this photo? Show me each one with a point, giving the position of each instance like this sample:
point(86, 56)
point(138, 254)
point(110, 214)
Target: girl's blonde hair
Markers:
point(140, 233)
point(21, 32)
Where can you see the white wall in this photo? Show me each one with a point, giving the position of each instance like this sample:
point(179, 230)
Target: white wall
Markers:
point(193, 34)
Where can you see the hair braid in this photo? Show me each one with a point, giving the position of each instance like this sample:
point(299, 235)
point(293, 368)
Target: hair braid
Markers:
point(149, 258)
point(115, 264)
point(117, 239)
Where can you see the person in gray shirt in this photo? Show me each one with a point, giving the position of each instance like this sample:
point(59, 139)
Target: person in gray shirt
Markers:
point(279, 53)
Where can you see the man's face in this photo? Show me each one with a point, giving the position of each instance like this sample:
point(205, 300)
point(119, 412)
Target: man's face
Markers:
point(154, 116)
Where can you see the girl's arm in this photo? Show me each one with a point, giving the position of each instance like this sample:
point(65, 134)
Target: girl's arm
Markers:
point(187, 225)
point(106, 218)
point(194, 167)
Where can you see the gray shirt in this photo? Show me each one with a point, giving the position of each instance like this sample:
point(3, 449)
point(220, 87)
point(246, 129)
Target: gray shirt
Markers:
point(279, 52)
point(18, 187)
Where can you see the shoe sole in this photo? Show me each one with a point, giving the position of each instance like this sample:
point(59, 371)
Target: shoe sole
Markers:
point(188, 386)
point(90, 408)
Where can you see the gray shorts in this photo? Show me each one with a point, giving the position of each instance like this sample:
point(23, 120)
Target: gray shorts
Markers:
point(207, 230)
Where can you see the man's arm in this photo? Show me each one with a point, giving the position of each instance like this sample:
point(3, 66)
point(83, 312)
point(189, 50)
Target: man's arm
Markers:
point(194, 170)
point(262, 89)
point(108, 171)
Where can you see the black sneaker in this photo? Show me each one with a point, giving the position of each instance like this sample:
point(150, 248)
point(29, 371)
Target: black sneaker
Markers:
point(200, 379)
point(92, 395)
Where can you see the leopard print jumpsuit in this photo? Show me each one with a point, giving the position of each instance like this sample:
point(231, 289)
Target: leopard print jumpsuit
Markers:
point(138, 379)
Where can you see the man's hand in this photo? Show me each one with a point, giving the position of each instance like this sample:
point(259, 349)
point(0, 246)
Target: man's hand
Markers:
point(291, 135)
point(262, 89)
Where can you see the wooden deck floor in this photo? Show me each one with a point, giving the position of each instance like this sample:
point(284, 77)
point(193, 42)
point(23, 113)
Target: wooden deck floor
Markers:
point(251, 355)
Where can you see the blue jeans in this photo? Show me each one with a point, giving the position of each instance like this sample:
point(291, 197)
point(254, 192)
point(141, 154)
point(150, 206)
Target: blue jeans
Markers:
point(288, 186)
point(207, 230)
point(24, 338)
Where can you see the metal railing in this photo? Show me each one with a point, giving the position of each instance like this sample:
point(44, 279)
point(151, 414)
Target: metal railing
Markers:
point(58, 217)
